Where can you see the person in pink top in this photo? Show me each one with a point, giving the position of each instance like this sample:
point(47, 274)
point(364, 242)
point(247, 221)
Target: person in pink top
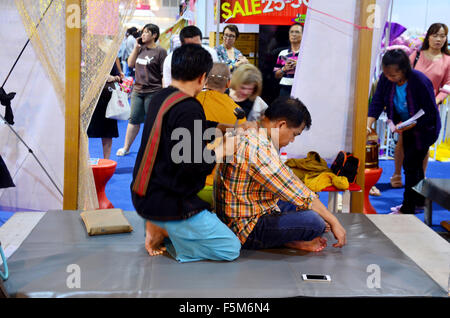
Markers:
point(433, 60)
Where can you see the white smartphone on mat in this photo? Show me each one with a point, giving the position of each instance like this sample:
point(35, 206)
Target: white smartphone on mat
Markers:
point(316, 278)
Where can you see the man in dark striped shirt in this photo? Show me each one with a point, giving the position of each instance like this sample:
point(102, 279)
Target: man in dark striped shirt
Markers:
point(287, 60)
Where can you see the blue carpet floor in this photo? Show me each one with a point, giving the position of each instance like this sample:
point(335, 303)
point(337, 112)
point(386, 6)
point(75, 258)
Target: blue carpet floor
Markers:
point(118, 187)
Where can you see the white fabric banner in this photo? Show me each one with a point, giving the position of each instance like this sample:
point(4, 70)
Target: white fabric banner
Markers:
point(326, 72)
point(39, 120)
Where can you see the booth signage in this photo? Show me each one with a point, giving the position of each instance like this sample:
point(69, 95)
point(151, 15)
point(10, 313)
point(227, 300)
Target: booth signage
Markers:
point(272, 12)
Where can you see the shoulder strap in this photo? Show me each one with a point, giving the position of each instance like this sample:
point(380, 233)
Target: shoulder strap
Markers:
point(417, 58)
point(151, 149)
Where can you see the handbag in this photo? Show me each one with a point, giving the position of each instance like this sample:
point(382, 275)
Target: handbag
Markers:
point(118, 106)
point(345, 165)
point(258, 109)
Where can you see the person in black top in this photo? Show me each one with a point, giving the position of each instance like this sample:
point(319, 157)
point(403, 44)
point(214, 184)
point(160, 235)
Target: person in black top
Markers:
point(166, 180)
point(100, 126)
point(245, 90)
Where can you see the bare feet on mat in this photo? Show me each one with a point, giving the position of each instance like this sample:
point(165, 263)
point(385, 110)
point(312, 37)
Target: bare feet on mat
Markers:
point(316, 245)
point(154, 237)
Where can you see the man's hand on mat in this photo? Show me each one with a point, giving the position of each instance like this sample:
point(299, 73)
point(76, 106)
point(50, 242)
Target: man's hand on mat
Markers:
point(331, 220)
point(327, 227)
point(339, 234)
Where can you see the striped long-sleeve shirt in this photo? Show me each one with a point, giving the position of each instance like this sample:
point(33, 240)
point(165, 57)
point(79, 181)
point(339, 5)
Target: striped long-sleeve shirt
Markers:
point(288, 77)
point(252, 184)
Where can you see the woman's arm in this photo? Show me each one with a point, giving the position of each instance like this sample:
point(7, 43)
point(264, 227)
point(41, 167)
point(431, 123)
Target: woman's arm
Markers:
point(442, 95)
point(377, 104)
point(119, 68)
point(133, 56)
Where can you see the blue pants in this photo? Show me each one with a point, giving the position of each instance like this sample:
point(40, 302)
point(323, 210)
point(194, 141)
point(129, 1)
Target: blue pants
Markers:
point(277, 229)
point(201, 237)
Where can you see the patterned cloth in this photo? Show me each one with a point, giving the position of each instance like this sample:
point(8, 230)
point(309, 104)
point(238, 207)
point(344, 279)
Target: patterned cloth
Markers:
point(252, 184)
point(223, 56)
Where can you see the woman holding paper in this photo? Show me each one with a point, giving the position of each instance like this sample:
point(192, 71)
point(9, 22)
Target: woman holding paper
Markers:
point(405, 92)
point(433, 60)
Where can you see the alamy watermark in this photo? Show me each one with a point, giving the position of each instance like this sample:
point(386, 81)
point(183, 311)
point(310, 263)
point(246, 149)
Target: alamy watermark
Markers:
point(374, 279)
point(74, 278)
point(190, 146)
point(73, 16)
point(374, 19)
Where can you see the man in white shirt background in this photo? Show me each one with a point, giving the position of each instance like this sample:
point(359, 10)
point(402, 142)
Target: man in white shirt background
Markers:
point(188, 35)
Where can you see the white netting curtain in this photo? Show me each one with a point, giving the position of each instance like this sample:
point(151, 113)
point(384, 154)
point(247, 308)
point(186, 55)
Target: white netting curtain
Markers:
point(103, 28)
point(38, 117)
point(326, 72)
point(39, 81)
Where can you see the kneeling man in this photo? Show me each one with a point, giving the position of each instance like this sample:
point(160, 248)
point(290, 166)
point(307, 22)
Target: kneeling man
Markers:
point(248, 188)
point(166, 180)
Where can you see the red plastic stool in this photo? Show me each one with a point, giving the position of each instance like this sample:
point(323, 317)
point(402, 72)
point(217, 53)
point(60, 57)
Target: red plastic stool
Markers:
point(103, 171)
point(333, 199)
point(371, 178)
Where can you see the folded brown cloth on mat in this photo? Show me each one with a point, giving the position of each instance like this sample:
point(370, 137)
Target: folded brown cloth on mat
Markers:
point(108, 221)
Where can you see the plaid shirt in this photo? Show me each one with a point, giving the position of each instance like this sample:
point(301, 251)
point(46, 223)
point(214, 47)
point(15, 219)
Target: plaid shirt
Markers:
point(252, 184)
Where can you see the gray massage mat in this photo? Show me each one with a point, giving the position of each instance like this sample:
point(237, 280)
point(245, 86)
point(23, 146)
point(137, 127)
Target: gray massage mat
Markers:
point(59, 259)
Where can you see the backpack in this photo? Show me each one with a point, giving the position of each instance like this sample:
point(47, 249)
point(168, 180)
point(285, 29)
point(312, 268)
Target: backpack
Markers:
point(345, 165)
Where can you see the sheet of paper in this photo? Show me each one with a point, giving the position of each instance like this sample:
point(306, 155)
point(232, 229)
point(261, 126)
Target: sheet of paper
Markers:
point(412, 120)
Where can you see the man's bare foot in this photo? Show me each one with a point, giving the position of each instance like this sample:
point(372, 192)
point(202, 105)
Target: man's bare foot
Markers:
point(154, 236)
point(315, 245)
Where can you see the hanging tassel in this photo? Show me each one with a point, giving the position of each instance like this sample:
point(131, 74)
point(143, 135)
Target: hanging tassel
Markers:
point(5, 100)
point(5, 178)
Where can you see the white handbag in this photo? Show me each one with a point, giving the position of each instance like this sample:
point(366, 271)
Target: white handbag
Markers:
point(118, 106)
point(258, 109)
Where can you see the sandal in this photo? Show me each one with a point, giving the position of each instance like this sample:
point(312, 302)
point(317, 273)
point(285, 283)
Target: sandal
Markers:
point(121, 152)
point(396, 210)
point(374, 191)
point(396, 181)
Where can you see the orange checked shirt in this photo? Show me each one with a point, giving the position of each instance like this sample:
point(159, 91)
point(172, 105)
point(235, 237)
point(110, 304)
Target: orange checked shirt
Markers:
point(251, 185)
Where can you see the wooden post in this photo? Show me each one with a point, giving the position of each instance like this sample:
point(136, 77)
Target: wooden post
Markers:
point(219, 3)
point(72, 104)
point(361, 100)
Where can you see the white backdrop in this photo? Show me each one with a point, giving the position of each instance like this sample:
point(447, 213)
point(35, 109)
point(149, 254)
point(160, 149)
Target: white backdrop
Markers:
point(326, 72)
point(39, 120)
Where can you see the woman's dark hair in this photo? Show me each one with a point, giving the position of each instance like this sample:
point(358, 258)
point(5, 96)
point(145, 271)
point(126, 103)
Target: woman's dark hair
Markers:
point(433, 29)
point(189, 31)
point(132, 31)
point(190, 61)
point(154, 29)
point(398, 57)
point(232, 28)
point(292, 110)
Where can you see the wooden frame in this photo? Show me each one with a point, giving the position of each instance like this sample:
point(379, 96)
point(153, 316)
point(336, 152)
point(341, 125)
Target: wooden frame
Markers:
point(72, 109)
point(362, 87)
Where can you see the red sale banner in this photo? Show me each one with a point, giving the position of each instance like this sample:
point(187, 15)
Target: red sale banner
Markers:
point(273, 12)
